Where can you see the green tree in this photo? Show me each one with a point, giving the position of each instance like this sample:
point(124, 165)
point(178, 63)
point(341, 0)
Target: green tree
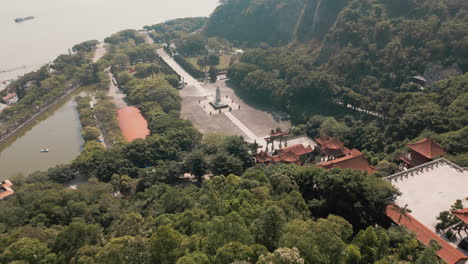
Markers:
point(90, 133)
point(195, 163)
point(194, 258)
point(165, 245)
point(282, 256)
point(75, 236)
point(25, 249)
point(232, 252)
point(126, 249)
point(268, 226)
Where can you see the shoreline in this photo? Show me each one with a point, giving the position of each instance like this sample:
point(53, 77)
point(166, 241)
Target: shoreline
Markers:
point(5, 137)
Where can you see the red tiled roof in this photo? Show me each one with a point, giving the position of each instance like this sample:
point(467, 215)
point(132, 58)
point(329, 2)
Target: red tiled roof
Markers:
point(428, 148)
point(291, 154)
point(263, 157)
point(332, 146)
point(329, 142)
point(448, 253)
point(354, 160)
point(132, 123)
point(462, 215)
point(7, 183)
point(288, 157)
point(9, 96)
point(5, 189)
point(297, 149)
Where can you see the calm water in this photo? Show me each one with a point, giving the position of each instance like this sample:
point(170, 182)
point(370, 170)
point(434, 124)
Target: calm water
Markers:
point(60, 24)
point(58, 130)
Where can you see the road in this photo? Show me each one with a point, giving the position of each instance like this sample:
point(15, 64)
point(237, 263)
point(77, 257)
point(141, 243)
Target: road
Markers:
point(99, 52)
point(114, 92)
point(185, 75)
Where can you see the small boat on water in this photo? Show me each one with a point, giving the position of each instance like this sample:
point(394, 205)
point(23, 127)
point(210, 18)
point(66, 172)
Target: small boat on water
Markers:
point(44, 150)
point(21, 19)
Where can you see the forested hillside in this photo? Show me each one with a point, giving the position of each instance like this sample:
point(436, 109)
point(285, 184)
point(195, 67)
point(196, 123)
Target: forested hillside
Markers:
point(367, 57)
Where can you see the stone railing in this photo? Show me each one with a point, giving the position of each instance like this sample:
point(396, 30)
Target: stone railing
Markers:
point(425, 166)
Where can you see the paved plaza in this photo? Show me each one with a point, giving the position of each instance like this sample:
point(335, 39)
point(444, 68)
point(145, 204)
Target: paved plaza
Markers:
point(239, 118)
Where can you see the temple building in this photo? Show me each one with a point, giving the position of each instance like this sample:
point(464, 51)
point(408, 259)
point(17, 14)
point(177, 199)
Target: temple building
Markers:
point(297, 154)
point(354, 160)
point(5, 189)
point(334, 154)
point(331, 148)
point(427, 190)
point(421, 152)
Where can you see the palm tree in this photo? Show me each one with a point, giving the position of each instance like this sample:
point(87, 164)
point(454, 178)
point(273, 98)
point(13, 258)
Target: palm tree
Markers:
point(403, 212)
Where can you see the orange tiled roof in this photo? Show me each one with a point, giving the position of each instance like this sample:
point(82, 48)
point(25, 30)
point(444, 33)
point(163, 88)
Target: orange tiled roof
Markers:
point(462, 215)
point(9, 96)
point(329, 142)
point(428, 148)
point(448, 253)
point(297, 149)
point(263, 157)
point(132, 123)
point(354, 160)
point(291, 154)
point(332, 146)
point(5, 189)
point(288, 157)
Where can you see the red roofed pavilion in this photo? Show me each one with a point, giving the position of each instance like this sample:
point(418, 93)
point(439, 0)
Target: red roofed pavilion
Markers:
point(421, 152)
point(447, 252)
point(354, 160)
point(132, 123)
point(331, 147)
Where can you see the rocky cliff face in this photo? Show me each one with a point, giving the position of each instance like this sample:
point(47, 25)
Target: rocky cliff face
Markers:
point(320, 15)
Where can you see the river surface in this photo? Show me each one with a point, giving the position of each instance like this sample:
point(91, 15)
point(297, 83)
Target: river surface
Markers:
point(58, 25)
point(58, 129)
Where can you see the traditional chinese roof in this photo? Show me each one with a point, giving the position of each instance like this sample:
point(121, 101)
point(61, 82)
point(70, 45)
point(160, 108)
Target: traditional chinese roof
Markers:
point(5, 189)
point(291, 154)
point(329, 142)
point(297, 149)
point(462, 215)
point(287, 157)
point(132, 123)
point(447, 252)
point(332, 146)
point(263, 157)
point(354, 160)
point(9, 96)
point(428, 148)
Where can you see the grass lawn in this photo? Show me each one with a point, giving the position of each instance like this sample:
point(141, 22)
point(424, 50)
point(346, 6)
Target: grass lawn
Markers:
point(224, 61)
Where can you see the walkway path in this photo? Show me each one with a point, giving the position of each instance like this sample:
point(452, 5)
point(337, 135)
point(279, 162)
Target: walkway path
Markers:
point(241, 126)
point(99, 52)
point(185, 75)
point(229, 122)
point(114, 92)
